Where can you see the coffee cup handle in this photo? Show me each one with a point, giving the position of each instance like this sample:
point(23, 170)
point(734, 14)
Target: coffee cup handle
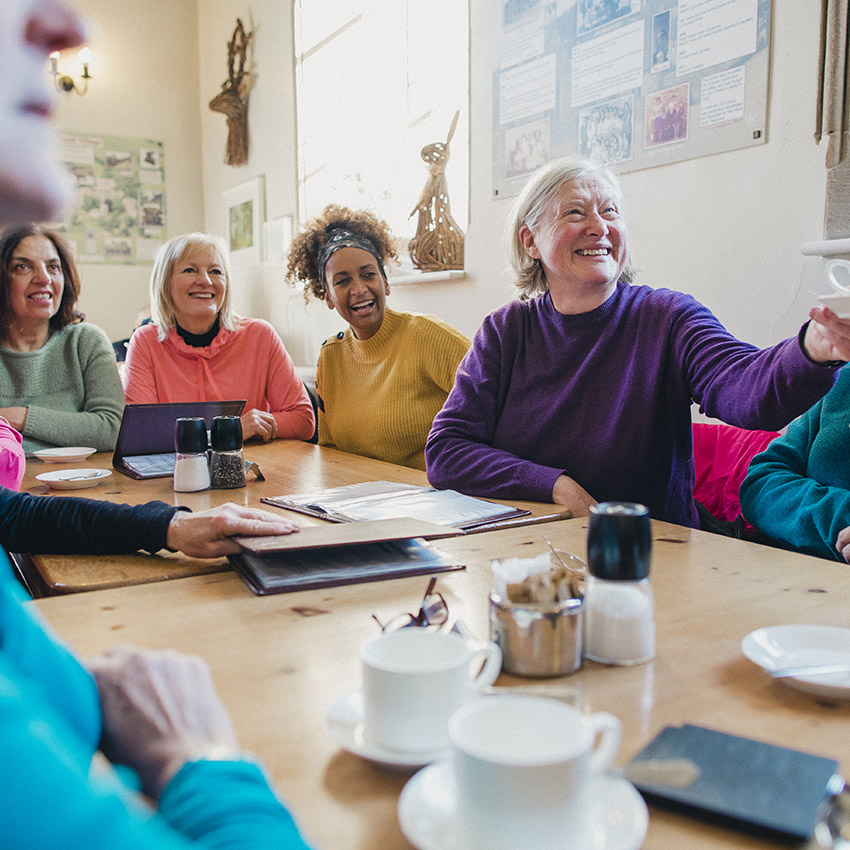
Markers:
point(836, 279)
point(607, 731)
point(491, 663)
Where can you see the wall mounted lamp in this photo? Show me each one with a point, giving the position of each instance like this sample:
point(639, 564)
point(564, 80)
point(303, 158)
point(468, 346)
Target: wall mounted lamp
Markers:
point(65, 83)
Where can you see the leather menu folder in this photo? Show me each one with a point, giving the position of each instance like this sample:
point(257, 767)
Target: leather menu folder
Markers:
point(341, 553)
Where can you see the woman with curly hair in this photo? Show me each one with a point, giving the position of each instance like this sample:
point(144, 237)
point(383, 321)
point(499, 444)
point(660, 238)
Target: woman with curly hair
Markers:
point(59, 383)
point(382, 381)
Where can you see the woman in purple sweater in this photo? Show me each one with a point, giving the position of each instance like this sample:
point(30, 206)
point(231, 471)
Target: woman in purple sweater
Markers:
point(581, 390)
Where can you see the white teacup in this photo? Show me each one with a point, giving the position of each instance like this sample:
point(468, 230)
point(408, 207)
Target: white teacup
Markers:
point(838, 274)
point(523, 767)
point(414, 680)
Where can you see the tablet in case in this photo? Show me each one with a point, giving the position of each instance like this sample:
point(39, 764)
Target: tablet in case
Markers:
point(145, 446)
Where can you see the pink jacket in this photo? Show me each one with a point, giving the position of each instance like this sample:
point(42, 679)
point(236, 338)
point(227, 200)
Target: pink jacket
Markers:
point(249, 363)
point(722, 454)
point(12, 461)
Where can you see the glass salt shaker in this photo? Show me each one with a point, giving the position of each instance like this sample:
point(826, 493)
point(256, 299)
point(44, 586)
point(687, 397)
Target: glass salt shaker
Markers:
point(191, 467)
point(227, 466)
point(619, 604)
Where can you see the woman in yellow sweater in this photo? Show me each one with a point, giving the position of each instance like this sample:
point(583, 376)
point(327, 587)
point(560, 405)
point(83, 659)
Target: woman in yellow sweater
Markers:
point(382, 381)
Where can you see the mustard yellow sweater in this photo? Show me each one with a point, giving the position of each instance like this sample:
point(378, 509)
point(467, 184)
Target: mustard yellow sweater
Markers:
point(378, 396)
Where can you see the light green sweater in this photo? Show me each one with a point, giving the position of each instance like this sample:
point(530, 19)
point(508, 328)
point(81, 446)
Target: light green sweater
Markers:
point(71, 387)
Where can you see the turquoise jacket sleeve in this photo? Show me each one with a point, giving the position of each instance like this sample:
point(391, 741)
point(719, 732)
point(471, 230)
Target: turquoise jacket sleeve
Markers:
point(798, 490)
point(50, 794)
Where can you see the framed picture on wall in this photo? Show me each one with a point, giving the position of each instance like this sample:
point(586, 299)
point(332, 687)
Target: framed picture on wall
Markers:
point(244, 213)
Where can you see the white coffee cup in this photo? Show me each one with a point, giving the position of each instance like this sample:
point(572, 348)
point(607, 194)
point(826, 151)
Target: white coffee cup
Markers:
point(413, 681)
point(523, 767)
point(838, 272)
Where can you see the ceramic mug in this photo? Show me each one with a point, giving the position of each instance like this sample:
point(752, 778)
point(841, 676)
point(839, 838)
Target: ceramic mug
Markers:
point(523, 767)
point(413, 681)
point(838, 273)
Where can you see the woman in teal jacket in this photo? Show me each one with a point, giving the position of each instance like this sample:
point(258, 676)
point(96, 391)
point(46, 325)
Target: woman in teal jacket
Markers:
point(50, 728)
point(797, 491)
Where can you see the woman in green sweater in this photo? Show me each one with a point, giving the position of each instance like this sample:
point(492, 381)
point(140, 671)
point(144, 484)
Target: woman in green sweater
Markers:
point(382, 381)
point(59, 383)
point(797, 491)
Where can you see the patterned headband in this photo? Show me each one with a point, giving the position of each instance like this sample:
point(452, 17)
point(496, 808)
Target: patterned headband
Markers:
point(341, 237)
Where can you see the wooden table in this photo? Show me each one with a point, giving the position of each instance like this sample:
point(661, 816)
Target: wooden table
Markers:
point(289, 466)
point(281, 661)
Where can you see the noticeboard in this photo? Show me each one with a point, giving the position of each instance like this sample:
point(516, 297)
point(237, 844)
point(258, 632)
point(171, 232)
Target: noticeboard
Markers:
point(631, 83)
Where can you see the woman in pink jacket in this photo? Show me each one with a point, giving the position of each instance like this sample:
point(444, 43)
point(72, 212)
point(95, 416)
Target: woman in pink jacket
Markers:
point(197, 349)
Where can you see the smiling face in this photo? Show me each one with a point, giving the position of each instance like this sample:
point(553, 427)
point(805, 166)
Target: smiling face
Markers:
point(36, 283)
point(197, 288)
point(32, 185)
point(581, 242)
point(357, 290)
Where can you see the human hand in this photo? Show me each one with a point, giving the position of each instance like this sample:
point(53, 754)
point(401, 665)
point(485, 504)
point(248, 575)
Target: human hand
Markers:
point(572, 495)
point(207, 534)
point(842, 543)
point(259, 423)
point(160, 710)
point(15, 416)
point(827, 337)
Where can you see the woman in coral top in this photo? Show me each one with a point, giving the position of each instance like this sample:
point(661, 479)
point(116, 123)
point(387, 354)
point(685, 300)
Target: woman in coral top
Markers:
point(197, 349)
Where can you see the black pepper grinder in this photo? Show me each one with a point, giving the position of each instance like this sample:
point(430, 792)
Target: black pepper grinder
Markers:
point(227, 466)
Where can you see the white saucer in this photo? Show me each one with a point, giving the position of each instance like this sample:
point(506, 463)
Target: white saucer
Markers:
point(838, 302)
point(344, 723)
point(799, 645)
point(426, 811)
point(74, 479)
point(65, 454)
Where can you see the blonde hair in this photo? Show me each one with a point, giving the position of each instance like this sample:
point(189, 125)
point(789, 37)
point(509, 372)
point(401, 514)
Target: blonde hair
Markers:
point(532, 202)
point(162, 304)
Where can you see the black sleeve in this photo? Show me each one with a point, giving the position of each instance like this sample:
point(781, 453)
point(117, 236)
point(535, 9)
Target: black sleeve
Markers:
point(51, 525)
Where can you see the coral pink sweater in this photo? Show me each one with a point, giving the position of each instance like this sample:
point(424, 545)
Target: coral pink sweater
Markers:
point(249, 363)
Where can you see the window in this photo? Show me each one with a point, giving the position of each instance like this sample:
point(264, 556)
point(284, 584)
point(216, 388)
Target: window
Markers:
point(376, 81)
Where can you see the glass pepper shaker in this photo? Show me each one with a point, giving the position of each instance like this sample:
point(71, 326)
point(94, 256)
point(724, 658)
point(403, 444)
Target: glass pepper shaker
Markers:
point(227, 466)
point(619, 601)
point(191, 467)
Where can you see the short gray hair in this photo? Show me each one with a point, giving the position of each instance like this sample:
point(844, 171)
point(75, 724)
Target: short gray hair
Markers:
point(532, 202)
point(162, 304)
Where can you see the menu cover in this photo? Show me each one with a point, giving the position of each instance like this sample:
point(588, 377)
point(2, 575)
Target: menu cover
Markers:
point(370, 531)
point(742, 783)
point(372, 500)
point(305, 569)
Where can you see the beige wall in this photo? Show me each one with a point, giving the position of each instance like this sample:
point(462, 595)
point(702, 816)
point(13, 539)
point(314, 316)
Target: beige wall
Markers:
point(145, 85)
point(726, 228)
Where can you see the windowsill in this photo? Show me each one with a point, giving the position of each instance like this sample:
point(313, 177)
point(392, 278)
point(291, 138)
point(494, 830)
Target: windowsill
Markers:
point(427, 277)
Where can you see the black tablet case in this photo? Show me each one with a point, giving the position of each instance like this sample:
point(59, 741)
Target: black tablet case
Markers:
point(148, 429)
point(746, 784)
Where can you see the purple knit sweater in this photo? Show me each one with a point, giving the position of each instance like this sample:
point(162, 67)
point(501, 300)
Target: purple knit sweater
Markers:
point(605, 397)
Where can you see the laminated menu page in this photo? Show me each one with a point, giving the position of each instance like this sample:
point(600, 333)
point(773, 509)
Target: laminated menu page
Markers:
point(373, 500)
point(738, 782)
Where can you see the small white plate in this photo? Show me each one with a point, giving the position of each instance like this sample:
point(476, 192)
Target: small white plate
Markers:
point(427, 811)
point(74, 479)
point(70, 454)
point(344, 723)
point(799, 645)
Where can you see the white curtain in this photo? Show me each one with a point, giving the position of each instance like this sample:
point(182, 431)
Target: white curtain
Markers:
point(833, 106)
